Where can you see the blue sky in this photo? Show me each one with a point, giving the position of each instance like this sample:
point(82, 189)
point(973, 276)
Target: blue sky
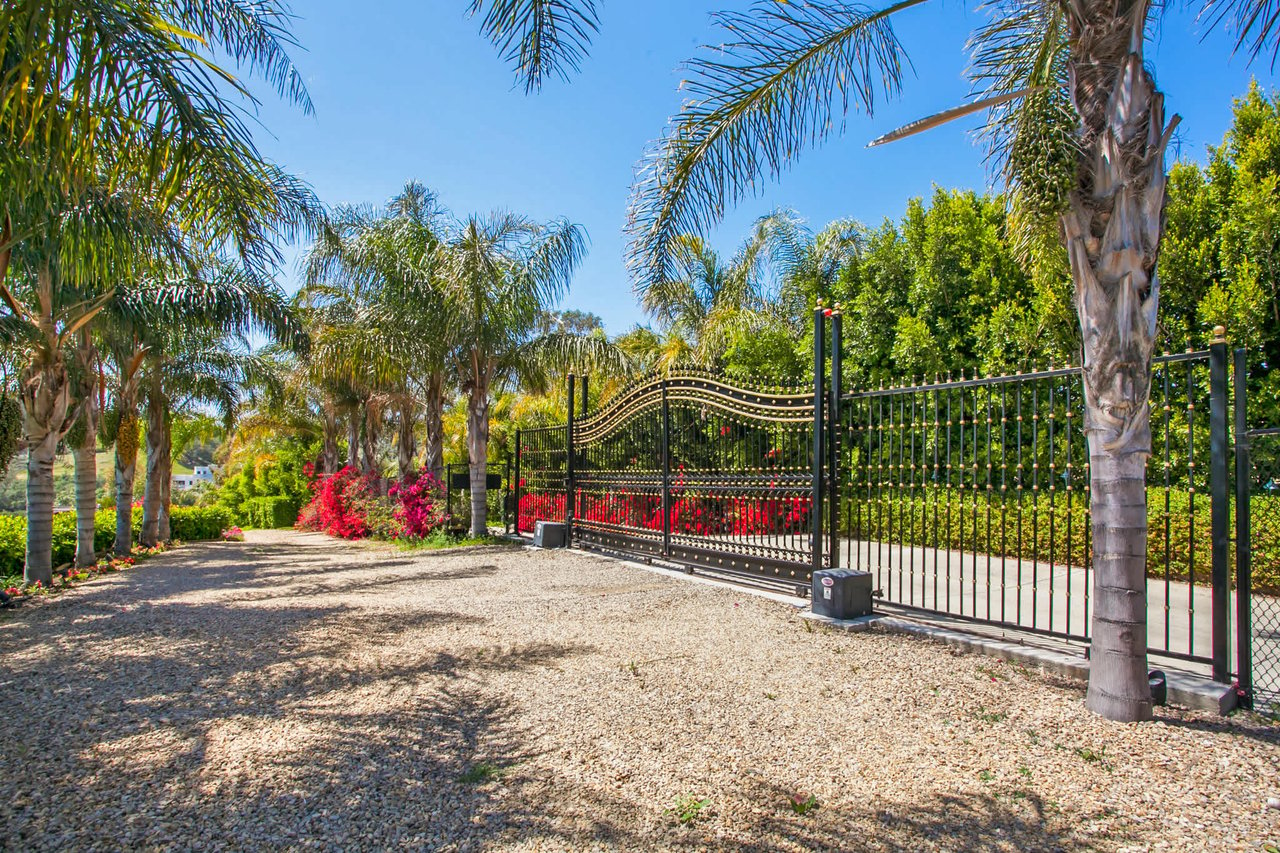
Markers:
point(409, 90)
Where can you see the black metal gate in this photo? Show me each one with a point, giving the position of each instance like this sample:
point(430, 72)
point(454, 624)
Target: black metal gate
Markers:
point(967, 497)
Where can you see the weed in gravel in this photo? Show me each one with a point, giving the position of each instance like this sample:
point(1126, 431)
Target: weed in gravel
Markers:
point(1094, 756)
point(986, 775)
point(687, 807)
point(771, 695)
point(1033, 735)
point(481, 772)
point(1024, 771)
point(808, 626)
point(802, 804)
point(991, 717)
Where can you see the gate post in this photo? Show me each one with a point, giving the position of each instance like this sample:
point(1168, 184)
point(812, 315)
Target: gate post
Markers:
point(833, 441)
point(585, 396)
point(1244, 545)
point(1219, 509)
point(819, 445)
point(570, 493)
point(666, 472)
point(515, 484)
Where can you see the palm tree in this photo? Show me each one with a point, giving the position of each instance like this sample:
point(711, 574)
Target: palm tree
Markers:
point(123, 140)
point(195, 334)
point(396, 331)
point(502, 273)
point(1080, 130)
point(214, 369)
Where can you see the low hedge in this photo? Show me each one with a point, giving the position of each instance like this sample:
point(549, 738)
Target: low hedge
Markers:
point(271, 513)
point(190, 524)
point(1177, 530)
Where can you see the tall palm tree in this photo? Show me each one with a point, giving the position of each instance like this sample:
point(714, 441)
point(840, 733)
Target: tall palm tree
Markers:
point(124, 139)
point(216, 369)
point(502, 272)
point(1080, 130)
point(399, 332)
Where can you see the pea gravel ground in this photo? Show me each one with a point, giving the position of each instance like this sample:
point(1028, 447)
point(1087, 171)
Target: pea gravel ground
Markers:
point(295, 692)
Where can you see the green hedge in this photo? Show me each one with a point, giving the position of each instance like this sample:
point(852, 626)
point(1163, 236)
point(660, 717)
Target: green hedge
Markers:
point(269, 512)
point(1177, 529)
point(198, 523)
point(190, 524)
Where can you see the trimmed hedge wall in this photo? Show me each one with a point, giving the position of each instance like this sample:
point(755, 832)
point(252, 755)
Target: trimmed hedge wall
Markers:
point(190, 524)
point(269, 513)
point(922, 520)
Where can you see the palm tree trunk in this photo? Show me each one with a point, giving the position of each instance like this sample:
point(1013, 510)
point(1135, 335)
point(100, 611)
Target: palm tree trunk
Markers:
point(166, 480)
point(153, 488)
point(86, 454)
point(126, 466)
point(353, 438)
point(40, 456)
point(45, 397)
point(434, 460)
point(478, 451)
point(329, 458)
point(86, 459)
point(1112, 231)
point(370, 439)
point(406, 443)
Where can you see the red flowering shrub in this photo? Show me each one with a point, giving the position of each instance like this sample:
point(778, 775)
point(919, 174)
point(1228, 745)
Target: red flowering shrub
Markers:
point(349, 505)
point(339, 506)
point(419, 505)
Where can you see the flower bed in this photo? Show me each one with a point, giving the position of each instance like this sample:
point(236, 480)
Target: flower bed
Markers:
point(17, 590)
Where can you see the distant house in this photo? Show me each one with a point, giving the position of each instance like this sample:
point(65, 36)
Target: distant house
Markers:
point(200, 474)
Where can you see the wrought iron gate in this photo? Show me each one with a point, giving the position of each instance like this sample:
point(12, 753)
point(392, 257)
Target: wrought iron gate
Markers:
point(701, 472)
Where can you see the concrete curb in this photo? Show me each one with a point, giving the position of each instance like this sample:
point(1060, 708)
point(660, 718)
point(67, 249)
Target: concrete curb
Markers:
point(1185, 689)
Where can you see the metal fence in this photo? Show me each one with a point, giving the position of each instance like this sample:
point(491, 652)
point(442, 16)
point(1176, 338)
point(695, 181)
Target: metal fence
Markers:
point(1258, 559)
point(702, 472)
point(966, 497)
point(970, 497)
point(541, 468)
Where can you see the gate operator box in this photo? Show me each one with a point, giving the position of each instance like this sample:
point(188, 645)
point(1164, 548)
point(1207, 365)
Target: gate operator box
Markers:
point(841, 593)
point(548, 534)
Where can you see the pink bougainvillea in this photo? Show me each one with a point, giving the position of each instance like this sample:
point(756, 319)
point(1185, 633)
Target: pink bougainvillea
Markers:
point(339, 505)
point(349, 505)
point(419, 504)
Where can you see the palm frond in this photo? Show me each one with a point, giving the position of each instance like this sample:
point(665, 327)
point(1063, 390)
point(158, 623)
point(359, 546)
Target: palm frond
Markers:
point(1255, 23)
point(786, 76)
point(540, 38)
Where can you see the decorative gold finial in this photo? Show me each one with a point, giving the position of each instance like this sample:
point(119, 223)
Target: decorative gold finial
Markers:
point(1219, 334)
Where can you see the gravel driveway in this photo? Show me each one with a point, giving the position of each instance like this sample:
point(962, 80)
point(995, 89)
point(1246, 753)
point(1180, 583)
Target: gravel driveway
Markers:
point(294, 691)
